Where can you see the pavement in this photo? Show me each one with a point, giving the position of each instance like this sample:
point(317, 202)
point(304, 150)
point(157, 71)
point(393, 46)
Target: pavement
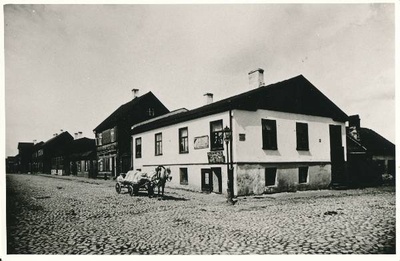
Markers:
point(69, 215)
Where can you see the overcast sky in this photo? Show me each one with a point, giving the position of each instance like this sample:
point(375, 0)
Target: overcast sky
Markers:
point(70, 66)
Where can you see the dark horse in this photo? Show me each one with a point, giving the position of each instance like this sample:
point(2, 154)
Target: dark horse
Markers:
point(159, 179)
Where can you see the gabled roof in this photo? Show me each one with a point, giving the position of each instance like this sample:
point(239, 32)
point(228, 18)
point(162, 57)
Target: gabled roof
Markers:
point(56, 140)
point(295, 95)
point(375, 143)
point(129, 108)
point(160, 117)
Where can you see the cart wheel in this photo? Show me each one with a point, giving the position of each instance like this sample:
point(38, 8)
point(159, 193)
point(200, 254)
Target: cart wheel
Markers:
point(130, 190)
point(135, 190)
point(118, 188)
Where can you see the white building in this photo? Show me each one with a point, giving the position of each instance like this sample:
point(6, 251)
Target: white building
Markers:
point(286, 136)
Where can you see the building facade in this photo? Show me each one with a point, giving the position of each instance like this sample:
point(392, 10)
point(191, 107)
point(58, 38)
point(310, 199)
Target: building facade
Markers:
point(286, 136)
point(113, 141)
point(82, 157)
point(25, 157)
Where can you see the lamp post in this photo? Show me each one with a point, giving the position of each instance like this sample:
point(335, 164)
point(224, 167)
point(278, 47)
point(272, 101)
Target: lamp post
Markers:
point(227, 138)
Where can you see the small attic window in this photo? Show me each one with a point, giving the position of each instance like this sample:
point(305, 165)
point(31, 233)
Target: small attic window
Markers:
point(150, 111)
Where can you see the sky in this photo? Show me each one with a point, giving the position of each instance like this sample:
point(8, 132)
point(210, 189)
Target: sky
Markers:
point(70, 66)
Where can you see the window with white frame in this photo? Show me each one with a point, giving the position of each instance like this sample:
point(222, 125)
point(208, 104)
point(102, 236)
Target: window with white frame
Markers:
point(216, 135)
point(138, 148)
point(183, 140)
point(158, 144)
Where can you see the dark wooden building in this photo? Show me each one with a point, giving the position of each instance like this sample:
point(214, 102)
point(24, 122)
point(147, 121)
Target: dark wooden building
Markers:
point(12, 164)
point(370, 156)
point(37, 158)
point(82, 157)
point(113, 141)
point(25, 157)
point(55, 154)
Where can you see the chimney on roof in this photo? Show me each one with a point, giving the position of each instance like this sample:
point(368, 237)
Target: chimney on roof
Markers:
point(354, 126)
point(208, 98)
point(34, 142)
point(61, 130)
point(256, 78)
point(135, 93)
point(79, 134)
point(76, 135)
point(55, 134)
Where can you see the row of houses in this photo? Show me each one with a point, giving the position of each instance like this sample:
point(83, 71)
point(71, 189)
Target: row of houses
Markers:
point(285, 136)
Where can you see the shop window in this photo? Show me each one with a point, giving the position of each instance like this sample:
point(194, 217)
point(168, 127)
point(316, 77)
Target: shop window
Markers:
point(269, 136)
point(270, 176)
point(217, 135)
point(183, 140)
point(302, 136)
point(183, 176)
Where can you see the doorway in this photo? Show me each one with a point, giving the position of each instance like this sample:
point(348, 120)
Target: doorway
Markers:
point(337, 155)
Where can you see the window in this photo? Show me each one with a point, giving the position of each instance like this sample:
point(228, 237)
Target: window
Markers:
point(99, 139)
point(242, 137)
point(101, 165)
point(158, 142)
point(106, 137)
point(269, 134)
point(183, 176)
point(183, 140)
point(112, 134)
point(138, 148)
point(78, 166)
point(150, 111)
point(302, 136)
point(217, 135)
point(86, 165)
point(303, 175)
point(270, 176)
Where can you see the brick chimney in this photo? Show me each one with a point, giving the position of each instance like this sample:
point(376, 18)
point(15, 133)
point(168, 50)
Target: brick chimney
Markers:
point(135, 93)
point(256, 78)
point(76, 135)
point(208, 98)
point(79, 134)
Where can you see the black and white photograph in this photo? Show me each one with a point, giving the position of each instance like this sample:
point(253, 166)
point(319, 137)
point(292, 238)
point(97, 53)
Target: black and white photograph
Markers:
point(199, 129)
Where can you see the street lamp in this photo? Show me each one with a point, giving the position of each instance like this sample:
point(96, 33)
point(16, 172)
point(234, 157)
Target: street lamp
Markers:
point(227, 138)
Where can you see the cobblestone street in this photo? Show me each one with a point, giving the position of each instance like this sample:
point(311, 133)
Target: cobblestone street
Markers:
point(65, 215)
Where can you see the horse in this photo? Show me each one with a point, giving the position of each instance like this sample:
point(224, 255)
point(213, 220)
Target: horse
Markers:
point(160, 177)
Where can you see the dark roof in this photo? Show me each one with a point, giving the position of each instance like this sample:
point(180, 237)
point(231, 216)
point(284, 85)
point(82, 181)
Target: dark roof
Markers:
point(375, 143)
point(354, 146)
point(129, 108)
point(38, 145)
point(58, 140)
point(83, 144)
point(25, 145)
point(295, 95)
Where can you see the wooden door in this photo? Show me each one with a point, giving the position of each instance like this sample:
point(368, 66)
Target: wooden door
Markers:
point(337, 155)
point(206, 180)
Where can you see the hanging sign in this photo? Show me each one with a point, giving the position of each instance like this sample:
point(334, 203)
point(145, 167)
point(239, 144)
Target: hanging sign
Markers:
point(216, 157)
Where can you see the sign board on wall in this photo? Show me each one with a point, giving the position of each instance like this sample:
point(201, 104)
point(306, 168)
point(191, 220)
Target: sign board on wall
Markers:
point(201, 142)
point(215, 157)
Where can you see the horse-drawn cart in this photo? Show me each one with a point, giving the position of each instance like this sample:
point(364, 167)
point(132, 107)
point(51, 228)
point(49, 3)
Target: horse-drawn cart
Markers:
point(134, 181)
